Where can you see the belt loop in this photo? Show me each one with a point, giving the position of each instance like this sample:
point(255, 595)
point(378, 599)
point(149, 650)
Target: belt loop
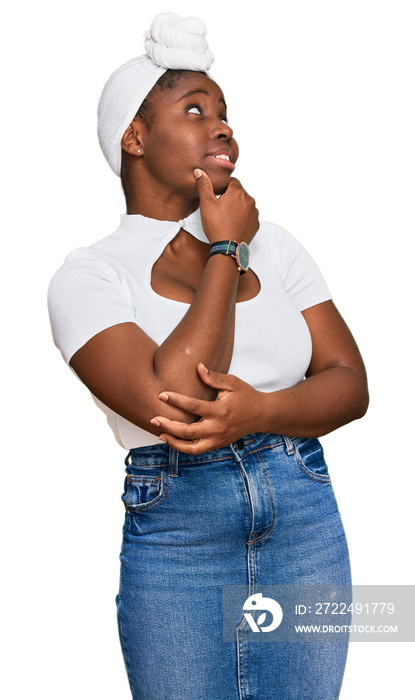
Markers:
point(235, 453)
point(173, 462)
point(289, 445)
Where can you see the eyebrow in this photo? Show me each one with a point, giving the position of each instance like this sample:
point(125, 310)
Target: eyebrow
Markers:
point(203, 92)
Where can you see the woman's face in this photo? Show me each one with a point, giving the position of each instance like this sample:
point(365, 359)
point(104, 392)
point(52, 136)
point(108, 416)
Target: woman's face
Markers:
point(188, 130)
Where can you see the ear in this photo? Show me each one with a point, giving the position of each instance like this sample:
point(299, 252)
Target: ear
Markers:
point(132, 142)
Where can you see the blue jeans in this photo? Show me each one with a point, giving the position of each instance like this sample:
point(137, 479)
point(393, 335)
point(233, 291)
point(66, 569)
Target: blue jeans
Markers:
point(259, 512)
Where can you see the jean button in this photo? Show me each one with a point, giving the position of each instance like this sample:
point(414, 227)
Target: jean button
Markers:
point(240, 444)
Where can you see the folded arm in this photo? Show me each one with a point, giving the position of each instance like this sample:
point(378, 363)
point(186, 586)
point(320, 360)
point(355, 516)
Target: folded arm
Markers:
point(333, 393)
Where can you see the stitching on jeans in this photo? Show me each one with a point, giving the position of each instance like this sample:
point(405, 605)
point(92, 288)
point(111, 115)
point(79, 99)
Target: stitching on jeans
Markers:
point(184, 464)
point(205, 461)
point(150, 507)
point(131, 477)
point(252, 577)
point(313, 477)
point(268, 486)
point(266, 447)
point(248, 500)
point(252, 589)
point(243, 688)
point(274, 519)
point(148, 466)
point(242, 627)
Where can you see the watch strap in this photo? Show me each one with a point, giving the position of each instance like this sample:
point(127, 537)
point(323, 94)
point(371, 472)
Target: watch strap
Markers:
point(226, 248)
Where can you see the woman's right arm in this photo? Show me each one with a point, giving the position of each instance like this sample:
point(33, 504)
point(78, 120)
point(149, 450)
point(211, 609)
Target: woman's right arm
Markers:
point(126, 370)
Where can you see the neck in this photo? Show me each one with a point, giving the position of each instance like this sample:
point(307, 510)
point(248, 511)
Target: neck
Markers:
point(155, 207)
point(156, 200)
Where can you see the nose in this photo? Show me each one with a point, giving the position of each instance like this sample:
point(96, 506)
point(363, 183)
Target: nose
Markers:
point(221, 130)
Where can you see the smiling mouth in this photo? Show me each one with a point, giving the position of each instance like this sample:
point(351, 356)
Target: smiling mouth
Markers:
point(222, 159)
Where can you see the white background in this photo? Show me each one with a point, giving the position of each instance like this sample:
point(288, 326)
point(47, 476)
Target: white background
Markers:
point(321, 100)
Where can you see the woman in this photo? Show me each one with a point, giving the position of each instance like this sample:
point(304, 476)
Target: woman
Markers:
point(181, 338)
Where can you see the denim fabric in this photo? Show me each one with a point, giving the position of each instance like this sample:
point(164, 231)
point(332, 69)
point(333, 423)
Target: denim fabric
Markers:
point(259, 512)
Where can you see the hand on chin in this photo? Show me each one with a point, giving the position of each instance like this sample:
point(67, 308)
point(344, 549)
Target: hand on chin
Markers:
point(220, 181)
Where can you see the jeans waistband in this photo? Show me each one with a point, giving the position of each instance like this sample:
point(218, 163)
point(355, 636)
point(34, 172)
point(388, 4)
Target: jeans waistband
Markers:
point(164, 456)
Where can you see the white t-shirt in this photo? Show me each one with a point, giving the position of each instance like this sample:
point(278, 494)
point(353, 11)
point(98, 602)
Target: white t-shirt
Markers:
point(110, 283)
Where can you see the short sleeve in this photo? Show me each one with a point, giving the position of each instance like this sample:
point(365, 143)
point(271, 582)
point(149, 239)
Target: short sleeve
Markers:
point(86, 296)
point(301, 277)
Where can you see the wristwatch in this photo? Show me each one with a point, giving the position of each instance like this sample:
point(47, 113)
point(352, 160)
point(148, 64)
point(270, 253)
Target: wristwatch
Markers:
point(239, 251)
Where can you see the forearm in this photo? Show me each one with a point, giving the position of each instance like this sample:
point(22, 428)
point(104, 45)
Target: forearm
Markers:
point(316, 406)
point(334, 393)
point(205, 333)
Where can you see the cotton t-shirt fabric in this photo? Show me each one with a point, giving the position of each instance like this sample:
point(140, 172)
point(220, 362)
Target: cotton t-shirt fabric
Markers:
point(110, 283)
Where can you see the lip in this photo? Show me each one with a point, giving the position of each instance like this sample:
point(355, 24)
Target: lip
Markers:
point(223, 162)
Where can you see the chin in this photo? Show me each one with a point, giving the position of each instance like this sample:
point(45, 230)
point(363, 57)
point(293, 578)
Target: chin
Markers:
point(220, 184)
point(220, 189)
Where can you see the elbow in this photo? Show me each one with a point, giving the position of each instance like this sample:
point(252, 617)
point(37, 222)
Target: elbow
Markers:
point(178, 372)
point(364, 404)
point(362, 407)
point(362, 399)
point(355, 394)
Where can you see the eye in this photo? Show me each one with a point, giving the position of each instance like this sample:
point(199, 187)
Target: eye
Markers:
point(224, 119)
point(194, 109)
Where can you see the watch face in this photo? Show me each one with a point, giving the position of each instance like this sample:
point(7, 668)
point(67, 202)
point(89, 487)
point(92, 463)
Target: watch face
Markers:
point(243, 256)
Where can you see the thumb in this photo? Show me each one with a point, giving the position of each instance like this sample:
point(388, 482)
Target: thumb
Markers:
point(215, 379)
point(203, 185)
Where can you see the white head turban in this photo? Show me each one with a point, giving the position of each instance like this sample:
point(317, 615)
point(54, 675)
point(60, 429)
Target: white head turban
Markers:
point(172, 42)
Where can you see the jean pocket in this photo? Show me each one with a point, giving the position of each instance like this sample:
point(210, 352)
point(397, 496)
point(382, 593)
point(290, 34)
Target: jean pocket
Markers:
point(143, 491)
point(310, 457)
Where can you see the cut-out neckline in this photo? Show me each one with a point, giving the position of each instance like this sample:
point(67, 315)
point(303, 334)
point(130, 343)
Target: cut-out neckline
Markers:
point(189, 290)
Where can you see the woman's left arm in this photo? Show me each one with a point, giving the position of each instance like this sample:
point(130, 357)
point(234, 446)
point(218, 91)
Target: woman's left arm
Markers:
point(334, 393)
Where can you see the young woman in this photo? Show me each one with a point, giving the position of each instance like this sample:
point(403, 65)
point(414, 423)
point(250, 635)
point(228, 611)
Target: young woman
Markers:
point(209, 340)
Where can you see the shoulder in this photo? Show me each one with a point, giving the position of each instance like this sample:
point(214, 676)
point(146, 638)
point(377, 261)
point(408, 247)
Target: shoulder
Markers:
point(300, 275)
point(280, 244)
point(86, 295)
point(276, 236)
point(87, 275)
point(89, 260)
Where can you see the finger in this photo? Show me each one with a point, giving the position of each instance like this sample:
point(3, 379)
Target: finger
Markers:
point(215, 379)
point(204, 186)
point(188, 447)
point(235, 183)
point(194, 431)
point(198, 407)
